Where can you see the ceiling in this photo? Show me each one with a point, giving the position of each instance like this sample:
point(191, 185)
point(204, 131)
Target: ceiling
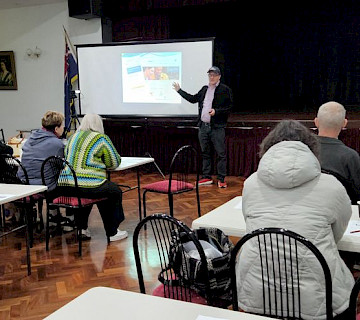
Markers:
point(10, 4)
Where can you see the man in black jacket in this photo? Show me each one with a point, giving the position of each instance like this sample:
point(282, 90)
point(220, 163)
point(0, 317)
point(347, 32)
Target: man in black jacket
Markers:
point(215, 103)
point(336, 158)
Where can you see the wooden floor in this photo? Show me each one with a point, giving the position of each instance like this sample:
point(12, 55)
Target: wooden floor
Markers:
point(59, 275)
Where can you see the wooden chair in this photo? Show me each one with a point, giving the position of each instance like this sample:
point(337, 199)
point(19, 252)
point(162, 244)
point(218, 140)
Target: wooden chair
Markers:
point(184, 162)
point(152, 250)
point(280, 260)
point(60, 195)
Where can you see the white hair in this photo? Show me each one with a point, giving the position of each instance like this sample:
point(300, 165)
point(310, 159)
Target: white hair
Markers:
point(331, 115)
point(92, 122)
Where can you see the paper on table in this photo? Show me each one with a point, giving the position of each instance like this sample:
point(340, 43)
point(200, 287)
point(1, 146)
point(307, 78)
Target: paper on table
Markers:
point(353, 226)
point(208, 318)
point(238, 206)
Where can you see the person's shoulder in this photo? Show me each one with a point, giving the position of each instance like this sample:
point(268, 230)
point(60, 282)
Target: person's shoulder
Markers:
point(223, 87)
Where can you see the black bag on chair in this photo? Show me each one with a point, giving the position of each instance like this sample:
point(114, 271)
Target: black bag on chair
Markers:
point(217, 248)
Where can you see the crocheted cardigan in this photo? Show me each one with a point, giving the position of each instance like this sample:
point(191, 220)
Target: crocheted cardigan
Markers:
point(90, 154)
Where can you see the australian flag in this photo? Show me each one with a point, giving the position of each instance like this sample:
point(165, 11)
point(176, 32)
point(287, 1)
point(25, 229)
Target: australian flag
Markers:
point(70, 76)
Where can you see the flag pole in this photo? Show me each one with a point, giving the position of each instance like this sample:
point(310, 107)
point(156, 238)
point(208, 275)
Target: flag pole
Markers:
point(69, 42)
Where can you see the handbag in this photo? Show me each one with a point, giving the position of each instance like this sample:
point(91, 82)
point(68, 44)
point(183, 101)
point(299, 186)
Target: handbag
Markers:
point(185, 257)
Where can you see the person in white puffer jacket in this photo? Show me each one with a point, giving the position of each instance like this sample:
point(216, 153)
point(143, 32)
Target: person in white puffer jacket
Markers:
point(289, 191)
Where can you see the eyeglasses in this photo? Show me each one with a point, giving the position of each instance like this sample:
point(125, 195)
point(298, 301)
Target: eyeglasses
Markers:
point(213, 75)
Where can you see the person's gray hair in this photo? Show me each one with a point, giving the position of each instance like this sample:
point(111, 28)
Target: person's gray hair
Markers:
point(331, 115)
point(290, 130)
point(92, 122)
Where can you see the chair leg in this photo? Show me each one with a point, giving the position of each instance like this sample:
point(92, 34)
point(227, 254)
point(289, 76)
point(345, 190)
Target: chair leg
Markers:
point(78, 231)
point(3, 215)
point(171, 204)
point(144, 207)
point(198, 202)
point(27, 217)
point(47, 231)
point(40, 215)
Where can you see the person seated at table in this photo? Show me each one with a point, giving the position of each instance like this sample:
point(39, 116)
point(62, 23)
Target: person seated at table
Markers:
point(43, 143)
point(289, 191)
point(336, 158)
point(91, 153)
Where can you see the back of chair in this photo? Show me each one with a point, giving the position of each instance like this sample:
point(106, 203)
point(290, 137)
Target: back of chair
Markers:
point(154, 252)
point(12, 171)
point(58, 184)
point(184, 162)
point(280, 260)
point(50, 171)
point(2, 136)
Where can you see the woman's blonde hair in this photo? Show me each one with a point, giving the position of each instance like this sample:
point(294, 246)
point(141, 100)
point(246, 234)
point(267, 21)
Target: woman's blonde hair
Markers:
point(52, 119)
point(92, 122)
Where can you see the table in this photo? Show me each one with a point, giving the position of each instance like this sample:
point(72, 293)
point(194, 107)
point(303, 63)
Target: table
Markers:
point(229, 218)
point(129, 163)
point(108, 303)
point(12, 192)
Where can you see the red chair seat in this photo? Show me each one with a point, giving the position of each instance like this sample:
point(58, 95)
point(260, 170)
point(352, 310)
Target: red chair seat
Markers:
point(160, 291)
point(35, 197)
point(163, 186)
point(73, 201)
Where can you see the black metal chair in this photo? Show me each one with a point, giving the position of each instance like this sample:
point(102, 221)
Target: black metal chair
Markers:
point(13, 172)
point(10, 167)
point(280, 253)
point(152, 250)
point(184, 162)
point(2, 136)
point(61, 194)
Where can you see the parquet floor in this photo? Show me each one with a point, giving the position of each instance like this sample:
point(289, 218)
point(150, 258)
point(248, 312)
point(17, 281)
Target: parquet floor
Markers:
point(59, 275)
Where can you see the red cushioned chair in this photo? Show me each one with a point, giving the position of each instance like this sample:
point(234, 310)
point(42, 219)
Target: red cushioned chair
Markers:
point(183, 165)
point(59, 197)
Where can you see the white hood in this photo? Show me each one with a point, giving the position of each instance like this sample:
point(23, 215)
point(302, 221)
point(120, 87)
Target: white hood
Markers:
point(288, 164)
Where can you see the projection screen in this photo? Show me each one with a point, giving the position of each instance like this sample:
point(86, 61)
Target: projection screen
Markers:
point(135, 79)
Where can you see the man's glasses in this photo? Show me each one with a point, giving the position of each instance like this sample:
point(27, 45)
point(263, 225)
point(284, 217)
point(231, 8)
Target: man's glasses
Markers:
point(213, 75)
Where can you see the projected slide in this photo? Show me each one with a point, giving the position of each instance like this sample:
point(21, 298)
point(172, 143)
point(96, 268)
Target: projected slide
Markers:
point(147, 76)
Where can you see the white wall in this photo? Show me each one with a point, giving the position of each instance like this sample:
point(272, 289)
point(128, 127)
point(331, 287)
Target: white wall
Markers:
point(40, 81)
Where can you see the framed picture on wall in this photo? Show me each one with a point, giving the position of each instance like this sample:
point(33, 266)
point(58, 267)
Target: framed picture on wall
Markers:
point(7, 71)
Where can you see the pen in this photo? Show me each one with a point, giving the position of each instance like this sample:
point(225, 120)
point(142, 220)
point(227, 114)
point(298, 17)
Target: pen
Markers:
point(354, 231)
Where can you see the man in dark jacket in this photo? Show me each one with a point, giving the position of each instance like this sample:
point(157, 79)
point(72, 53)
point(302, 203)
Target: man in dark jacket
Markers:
point(215, 103)
point(336, 158)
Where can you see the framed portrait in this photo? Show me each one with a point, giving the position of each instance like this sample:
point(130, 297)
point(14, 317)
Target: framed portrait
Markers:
point(7, 71)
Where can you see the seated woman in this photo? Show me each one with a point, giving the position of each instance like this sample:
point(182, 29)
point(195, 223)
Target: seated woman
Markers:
point(289, 191)
point(91, 152)
point(43, 143)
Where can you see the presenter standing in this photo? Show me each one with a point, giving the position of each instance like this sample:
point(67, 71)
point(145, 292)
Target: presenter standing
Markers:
point(215, 103)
